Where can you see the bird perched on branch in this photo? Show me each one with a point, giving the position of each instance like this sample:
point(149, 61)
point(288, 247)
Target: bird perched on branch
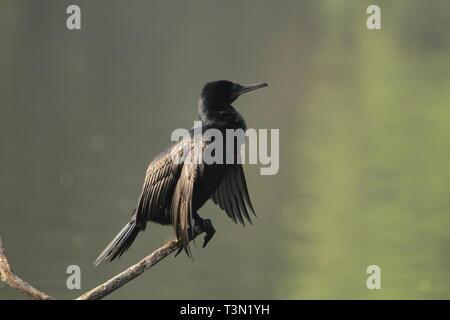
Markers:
point(174, 191)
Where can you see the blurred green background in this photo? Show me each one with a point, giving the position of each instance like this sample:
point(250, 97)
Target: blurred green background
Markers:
point(364, 123)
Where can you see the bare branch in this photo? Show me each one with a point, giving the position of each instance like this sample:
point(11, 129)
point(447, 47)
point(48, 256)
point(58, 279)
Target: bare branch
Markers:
point(132, 272)
point(98, 292)
point(8, 277)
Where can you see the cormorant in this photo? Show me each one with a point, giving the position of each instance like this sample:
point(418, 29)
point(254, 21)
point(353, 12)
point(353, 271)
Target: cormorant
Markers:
point(174, 191)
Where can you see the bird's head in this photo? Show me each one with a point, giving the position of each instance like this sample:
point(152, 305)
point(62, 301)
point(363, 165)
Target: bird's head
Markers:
point(218, 95)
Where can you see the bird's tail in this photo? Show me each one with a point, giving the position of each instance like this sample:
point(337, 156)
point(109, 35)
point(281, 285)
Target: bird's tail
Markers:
point(120, 243)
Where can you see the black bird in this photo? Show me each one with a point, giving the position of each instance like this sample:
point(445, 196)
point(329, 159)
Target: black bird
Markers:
point(174, 191)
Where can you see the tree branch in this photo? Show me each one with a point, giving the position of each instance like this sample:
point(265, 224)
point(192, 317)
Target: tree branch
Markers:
point(101, 291)
point(8, 277)
point(132, 272)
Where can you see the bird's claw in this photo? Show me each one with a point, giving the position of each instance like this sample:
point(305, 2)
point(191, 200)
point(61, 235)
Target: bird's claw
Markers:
point(209, 230)
point(178, 251)
point(206, 240)
point(191, 236)
point(180, 247)
point(201, 226)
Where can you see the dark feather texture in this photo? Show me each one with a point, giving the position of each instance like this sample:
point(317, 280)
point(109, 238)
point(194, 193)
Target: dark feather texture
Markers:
point(173, 191)
point(232, 195)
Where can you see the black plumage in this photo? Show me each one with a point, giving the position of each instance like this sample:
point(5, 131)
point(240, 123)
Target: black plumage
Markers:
point(174, 191)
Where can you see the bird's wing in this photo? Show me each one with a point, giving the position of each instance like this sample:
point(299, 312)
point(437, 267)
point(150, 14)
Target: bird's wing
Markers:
point(160, 181)
point(182, 206)
point(232, 195)
point(181, 210)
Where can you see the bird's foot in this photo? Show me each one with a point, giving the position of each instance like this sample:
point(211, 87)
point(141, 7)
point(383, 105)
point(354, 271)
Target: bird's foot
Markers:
point(200, 226)
point(208, 228)
point(192, 234)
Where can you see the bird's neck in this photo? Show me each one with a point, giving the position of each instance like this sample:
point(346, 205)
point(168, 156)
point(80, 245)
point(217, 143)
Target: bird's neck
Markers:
point(224, 117)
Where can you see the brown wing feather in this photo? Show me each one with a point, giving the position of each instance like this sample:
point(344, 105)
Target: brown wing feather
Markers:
point(182, 205)
point(181, 210)
point(160, 181)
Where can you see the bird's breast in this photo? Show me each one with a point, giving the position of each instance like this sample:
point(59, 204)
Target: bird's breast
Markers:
point(213, 175)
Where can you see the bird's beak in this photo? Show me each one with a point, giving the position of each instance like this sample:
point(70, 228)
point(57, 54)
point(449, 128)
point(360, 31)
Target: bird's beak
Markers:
point(245, 89)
